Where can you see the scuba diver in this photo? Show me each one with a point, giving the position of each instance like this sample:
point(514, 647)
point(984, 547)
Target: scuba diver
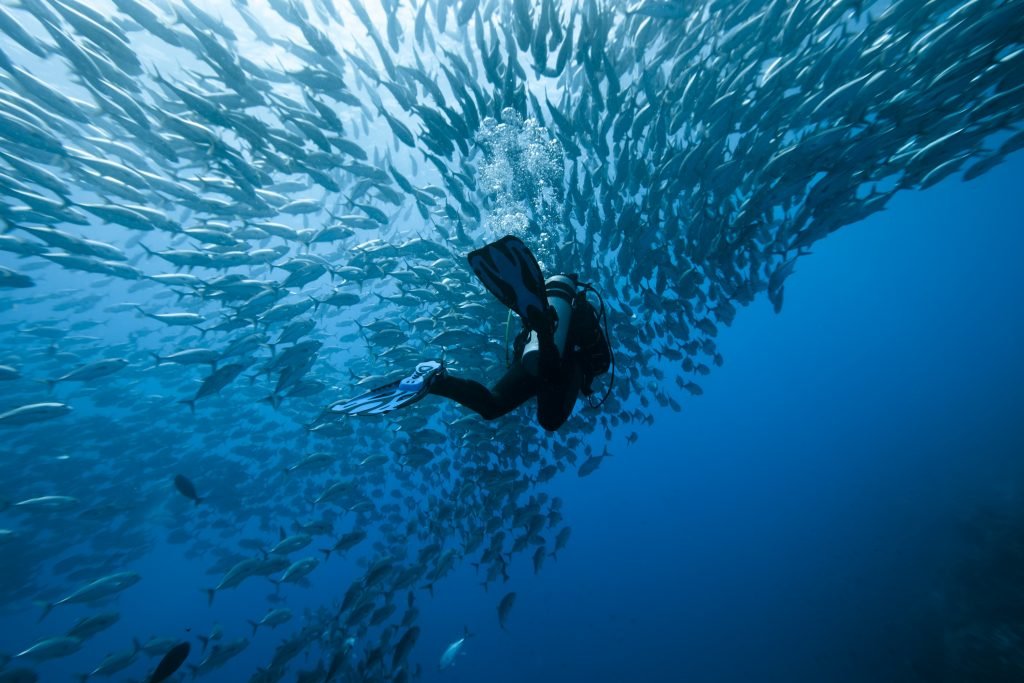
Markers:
point(558, 354)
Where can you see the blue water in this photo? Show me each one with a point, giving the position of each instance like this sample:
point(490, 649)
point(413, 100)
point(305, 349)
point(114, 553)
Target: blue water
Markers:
point(798, 521)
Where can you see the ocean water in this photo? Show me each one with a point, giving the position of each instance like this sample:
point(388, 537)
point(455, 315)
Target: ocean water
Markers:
point(801, 521)
point(841, 503)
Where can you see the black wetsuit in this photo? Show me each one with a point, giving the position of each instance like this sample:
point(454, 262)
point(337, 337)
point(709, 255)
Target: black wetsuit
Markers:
point(556, 387)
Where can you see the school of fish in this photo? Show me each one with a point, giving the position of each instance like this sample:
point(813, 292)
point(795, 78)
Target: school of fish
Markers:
point(218, 218)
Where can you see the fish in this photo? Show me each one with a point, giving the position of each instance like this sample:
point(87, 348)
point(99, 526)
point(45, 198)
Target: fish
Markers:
point(186, 488)
point(197, 356)
point(96, 590)
point(12, 279)
point(238, 573)
point(290, 544)
point(114, 662)
point(214, 382)
point(273, 619)
point(87, 627)
point(170, 663)
point(33, 412)
point(46, 503)
point(345, 543)
point(453, 650)
point(505, 607)
point(219, 655)
point(298, 570)
point(90, 372)
point(51, 648)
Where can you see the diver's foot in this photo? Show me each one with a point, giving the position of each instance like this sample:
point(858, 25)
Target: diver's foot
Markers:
point(395, 395)
point(422, 377)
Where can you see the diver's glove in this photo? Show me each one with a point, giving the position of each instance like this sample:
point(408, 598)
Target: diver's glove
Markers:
point(545, 323)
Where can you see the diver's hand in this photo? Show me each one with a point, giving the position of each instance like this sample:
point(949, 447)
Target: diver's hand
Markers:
point(544, 322)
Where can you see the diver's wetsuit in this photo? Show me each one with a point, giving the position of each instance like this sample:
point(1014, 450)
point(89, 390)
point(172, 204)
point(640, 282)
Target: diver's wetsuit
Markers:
point(556, 387)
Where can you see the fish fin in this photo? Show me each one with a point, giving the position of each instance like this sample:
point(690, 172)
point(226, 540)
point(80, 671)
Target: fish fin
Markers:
point(327, 553)
point(254, 626)
point(209, 601)
point(50, 384)
point(157, 359)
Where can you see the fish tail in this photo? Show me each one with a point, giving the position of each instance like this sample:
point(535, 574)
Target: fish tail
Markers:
point(209, 601)
point(254, 626)
point(157, 359)
point(198, 500)
point(50, 384)
point(47, 607)
point(326, 552)
point(191, 403)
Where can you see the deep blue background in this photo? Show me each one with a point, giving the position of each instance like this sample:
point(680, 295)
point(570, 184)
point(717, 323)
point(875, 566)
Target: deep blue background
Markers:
point(795, 522)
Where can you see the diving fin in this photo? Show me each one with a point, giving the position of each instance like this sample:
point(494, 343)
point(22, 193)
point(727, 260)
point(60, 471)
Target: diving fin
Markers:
point(393, 395)
point(509, 271)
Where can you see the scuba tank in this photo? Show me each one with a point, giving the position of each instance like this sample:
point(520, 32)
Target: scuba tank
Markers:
point(561, 292)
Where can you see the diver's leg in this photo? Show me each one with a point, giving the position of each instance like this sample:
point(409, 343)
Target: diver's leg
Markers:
point(511, 391)
point(555, 400)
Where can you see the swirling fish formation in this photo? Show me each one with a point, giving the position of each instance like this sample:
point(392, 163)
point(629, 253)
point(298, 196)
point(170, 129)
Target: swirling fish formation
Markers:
point(218, 219)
